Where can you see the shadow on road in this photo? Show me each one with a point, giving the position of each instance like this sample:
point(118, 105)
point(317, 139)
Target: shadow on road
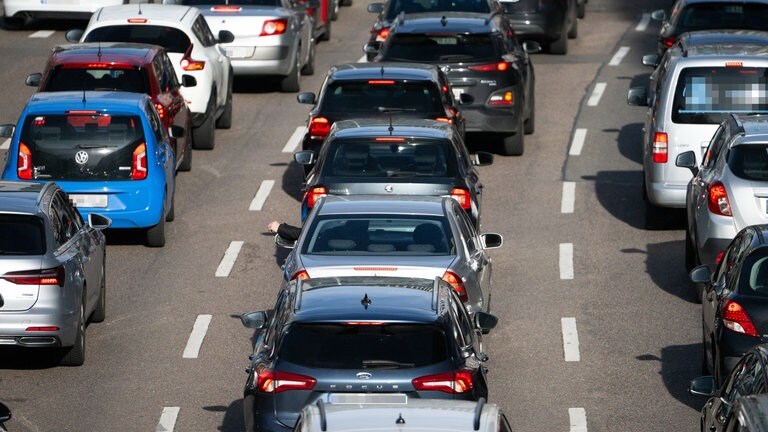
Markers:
point(293, 184)
point(679, 365)
point(233, 416)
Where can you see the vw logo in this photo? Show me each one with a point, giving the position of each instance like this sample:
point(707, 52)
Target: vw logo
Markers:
point(364, 376)
point(388, 189)
point(81, 157)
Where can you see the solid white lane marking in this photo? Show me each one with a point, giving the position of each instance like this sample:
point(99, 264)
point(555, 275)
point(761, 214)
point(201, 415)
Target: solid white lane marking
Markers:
point(619, 56)
point(363, 59)
point(167, 419)
point(570, 339)
point(644, 21)
point(597, 93)
point(261, 195)
point(578, 418)
point(230, 256)
point(192, 350)
point(295, 139)
point(569, 197)
point(42, 34)
point(577, 144)
point(566, 260)
point(6, 144)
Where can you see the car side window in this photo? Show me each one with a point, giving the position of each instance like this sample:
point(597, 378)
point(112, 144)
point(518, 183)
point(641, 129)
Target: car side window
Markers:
point(65, 227)
point(463, 328)
point(714, 148)
point(77, 219)
point(467, 232)
point(55, 215)
point(158, 67)
point(169, 73)
point(157, 126)
point(203, 32)
point(272, 329)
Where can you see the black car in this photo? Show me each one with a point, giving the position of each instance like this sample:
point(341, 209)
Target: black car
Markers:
point(729, 406)
point(735, 303)
point(406, 157)
point(353, 340)
point(359, 90)
point(5, 415)
point(482, 59)
point(549, 22)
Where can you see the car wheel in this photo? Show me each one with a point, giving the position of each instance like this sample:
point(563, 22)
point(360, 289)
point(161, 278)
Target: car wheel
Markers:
point(156, 234)
point(172, 212)
point(326, 36)
point(309, 68)
point(573, 33)
point(75, 355)
point(100, 313)
point(530, 122)
point(186, 164)
point(654, 216)
point(203, 136)
point(291, 83)
point(513, 144)
point(225, 120)
point(559, 46)
point(335, 12)
point(581, 9)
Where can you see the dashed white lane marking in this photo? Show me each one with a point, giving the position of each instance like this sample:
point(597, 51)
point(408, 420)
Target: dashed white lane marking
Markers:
point(363, 59)
point(230, 256)
point(569, 197)
point(577, 144)
point(261, 195)
point(566, 260)
point(619, 56)
point(192, 350)
point(644, 21)
point(570, 339)
point(167, 419)
point(42, 34)
point(295, 139)
point(6, 144)
point(578, 418)
point(597, 93)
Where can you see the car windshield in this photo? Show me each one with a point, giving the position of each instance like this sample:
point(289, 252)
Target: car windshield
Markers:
point(378, 235)
point(749, 162)
point(70, 78)
point(708, 95)
point(172, 39)
point(440, 48)
point(231, 2)
point(724, 15)
point(421, 98)
point(754, 274)
point(374, 158)
point(21, 235)
point(354, 346)
point(417, 6)
point(81, 146)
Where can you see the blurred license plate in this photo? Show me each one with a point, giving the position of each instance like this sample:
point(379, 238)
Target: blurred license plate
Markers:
point(239, 52)
point(88, 200)
point(457, 92)
point(367, 398)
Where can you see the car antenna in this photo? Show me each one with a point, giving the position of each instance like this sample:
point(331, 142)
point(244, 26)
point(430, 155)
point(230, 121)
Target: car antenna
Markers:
point(99, 52)
point(382, 71)
point(400, 420)
point(443, 21)
point(366, 301)
point(140, 9)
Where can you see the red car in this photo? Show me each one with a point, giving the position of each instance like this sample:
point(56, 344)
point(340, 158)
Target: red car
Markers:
point(135, 68)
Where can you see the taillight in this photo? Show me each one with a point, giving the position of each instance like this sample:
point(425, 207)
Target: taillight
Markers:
point(160, 110)
point(660, 147)
point(139, 164)
point(457, 284)
point(462, 196)
point(188, 64)
point(274, 27)
point(502, 98)
point(276, 382)
point(444, 119)
point(42, 329)
point(51, 276)
point(736, 319)
point(301, 274)
point(24, 162)
point(314, 194)
point(319, 128)
point(669, 41)
point(719, 257)
point(450, 382)
point(382, 35)
point(717, 200)
point(491, 67)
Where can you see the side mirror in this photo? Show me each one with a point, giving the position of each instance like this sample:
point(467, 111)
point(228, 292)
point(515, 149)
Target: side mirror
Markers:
point(485, 321)
point(304, 157)
point(375, 7)
point(188, 81)
point(466, 99)
point(283, 243)
point(74, 36)
point(687, 159)
point(637, 96)
point(225, 36)
point(491, 240)
point(659, 15)
point(176, 132)
point(531, 47)
point(33, 80)
point(651, 60)
point(306, 98)
point(99, 222)
point(700, 275)
point(6, 130)
point(254, 320)
point(483, 158)
point(5, 413)
point(372, 47)
point(702, 386)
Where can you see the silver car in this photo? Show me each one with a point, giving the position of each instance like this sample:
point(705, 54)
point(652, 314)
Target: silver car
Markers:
point(51, 270)
point(407, 236)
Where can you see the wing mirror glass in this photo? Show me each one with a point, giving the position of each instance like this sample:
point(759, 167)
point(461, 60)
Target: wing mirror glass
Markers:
point(283, 243)
point(531, 47)
point(305, 157)
point(372, 47)
point(74, 36)
point(702, 386)
point(700, 275)
point(33, 80)
point(306, 98)
point(99, 222)
point(176, 132)
point(485, 321)
point(651, 60)
point(659, 15)
point(483, 158)
point(226, 36)
point(375, 7)
point(637, 96)
point(188, 81)
point(492, 240)
point(6, 130)
point(254, 320)
point(687, 159)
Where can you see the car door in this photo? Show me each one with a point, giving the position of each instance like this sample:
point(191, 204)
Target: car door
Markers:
point(468, 339)
point(214, 57)
point(173, 101)
point(68, 250)
point(88, 249)
point(166, 160)
point(741, 382)
point(478, 262)
point(699, 184)
point(471, 176)
point(710, 301)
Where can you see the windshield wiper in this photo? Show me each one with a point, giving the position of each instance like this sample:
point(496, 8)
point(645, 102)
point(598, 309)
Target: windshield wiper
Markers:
point(94, 146)
point(386, 364)
point(455, 57)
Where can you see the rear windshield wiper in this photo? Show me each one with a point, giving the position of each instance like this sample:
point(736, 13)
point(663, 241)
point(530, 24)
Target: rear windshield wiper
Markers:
point(455, 57)
point(93, 146)
point(386, 364)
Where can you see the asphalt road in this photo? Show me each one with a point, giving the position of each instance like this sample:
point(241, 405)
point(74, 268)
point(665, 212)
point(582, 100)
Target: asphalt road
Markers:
point(577, 260)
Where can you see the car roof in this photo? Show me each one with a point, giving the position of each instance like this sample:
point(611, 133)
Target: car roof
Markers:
point(94, 100)
point(382, 204)
point(755, 129)
point(154, 13)
point(105, 52)
point(379, 127)
point(724, 38)
point(20, 197)
point(383, 70)
point(445, 22)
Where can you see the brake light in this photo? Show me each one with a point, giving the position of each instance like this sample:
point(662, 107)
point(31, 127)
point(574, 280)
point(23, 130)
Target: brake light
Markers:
point(301, 274)
point(374, 269)
point(390, 139)
point(502, 98)
point(160, 110)
point(718, 200)
point(274, 27)
point(659, 147)
point(443, 119)
point(42, 329)
point(139, 164)
point(82, 112)
point(719, 257)
point(277, 382)
point(462, 196)
point(382, 35)
point(314, 194)
point(188, 64)
point(457, 284)
point(736, 319)
point(51, 276)
point(734, 64)
point(381, 82)
point(491, 67)
point(226, 8)
point(365, 323)
point(669, 41)
point(450, 382)
point(110, 65)
point(319, 128)
point(24, 162)
point(137, 20)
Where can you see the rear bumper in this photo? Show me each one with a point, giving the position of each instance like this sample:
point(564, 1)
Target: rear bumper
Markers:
point(482, 118)
point(51, 309)
point(666, 194)
point(732, 346)
point(262, 60)
point(131, 206)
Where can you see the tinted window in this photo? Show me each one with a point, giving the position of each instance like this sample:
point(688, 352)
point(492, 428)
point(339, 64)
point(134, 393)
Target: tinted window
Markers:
point(707, 95)
point(75, 79)
point(441, 48)
point(81, 146)
point(203, 32)
point(362, 158)
point(173, 40)
point(726, 15)
point(754, 280)
point(367, 96)
point(416, 6)
point(21, 235)
point(749, 162)
point(340, 346)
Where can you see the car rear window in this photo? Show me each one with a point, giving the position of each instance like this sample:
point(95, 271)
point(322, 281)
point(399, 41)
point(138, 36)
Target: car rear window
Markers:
point(708, 95)
point(81, 146)
point(417, 6)
point(172, 39)
point(749, 162)
point(355, 346)
point(725, 15)
point(441, 48)
point(372, 158)
point(70, 77)
point(368, 96)
point(21, 235)
point(378, 235)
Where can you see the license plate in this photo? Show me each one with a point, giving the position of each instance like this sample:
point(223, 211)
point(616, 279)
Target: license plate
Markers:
point(239, 52)
point(367, 398)
point(89, 200)
point(457, 92)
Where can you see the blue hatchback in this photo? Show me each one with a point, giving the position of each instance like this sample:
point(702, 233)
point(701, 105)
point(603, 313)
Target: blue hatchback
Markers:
point(108, 150)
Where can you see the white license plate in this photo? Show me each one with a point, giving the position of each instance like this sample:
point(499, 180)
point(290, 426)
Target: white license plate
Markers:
point(89, 200)
point(367, 398)
point(239, 52)
point(457, 92)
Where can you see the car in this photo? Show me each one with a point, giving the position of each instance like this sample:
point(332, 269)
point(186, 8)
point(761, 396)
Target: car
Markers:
point(191, 46)
point(698, 83)
point(550, 23)
point(482, 58)
point(409, 416)
point(124, 67)
point(52, 270)
point(361, 340)
point(386, 90)
point(726, 191)
point(730, 402)
point(5, 416)
point(403, 157)
point(414, 236)
point(108, 150)
point(17, 12)
point(735, 301)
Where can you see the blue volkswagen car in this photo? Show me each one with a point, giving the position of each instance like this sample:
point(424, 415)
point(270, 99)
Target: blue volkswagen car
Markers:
point(108, 150)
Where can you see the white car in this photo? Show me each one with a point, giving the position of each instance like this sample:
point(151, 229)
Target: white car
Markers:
point(192, 48)
point(17, 11)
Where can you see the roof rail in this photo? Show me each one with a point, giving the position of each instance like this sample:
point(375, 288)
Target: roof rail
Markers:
point(435, 293)
point(297, 291)
point(478, 412)
point(323, 418)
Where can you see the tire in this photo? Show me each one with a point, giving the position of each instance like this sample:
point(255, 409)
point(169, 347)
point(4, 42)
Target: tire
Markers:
point(653, 216)
point(690, 253)
point(559, 46)
point(9, 23)
point(100, 313)
point(225, 119)
point(335, 10)
point(203, 136)
point(186, 164)
point(530, 122)
point(75, 355)
point(326, 36)
point(581, 9)
point(172, 212)
point(156, 234)
point(291, 83)
point(573, 32)
point(514, 144)
point(309, 68)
